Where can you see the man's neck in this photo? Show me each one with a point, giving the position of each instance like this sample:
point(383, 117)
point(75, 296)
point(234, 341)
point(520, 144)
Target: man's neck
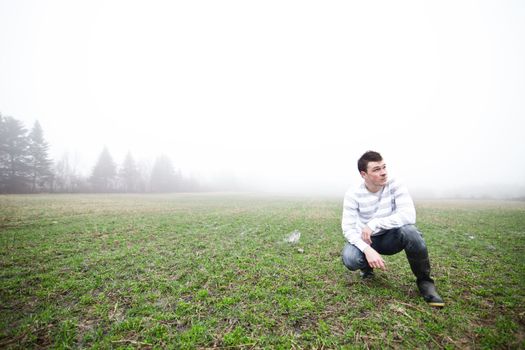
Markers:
point(372, 188)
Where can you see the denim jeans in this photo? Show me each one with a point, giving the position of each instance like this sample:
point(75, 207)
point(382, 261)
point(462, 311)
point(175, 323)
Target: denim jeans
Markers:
point(388, 242)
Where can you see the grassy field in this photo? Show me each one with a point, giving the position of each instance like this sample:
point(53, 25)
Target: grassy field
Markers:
point(215, 271)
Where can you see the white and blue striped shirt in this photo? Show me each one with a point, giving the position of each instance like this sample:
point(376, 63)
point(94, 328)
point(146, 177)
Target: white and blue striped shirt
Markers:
point(390, 207)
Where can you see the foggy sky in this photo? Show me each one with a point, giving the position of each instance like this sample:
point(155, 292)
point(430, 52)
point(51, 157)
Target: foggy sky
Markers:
point(283, 95)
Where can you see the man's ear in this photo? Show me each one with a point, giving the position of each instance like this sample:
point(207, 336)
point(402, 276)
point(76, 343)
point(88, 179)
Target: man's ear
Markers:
point(363, 174)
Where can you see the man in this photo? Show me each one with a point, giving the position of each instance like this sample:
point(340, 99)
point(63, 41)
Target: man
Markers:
point(379, 218)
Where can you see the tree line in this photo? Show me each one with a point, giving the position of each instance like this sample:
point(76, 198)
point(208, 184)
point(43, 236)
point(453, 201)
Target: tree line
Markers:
point(26, 167)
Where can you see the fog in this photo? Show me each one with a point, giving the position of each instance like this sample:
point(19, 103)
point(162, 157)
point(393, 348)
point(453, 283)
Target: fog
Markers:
point(282, 96)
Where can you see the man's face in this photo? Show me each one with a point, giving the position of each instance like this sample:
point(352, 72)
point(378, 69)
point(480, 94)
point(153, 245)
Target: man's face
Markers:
point(376, 174)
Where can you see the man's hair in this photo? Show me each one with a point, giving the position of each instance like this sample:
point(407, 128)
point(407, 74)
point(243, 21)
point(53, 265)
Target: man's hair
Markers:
point(369, 156)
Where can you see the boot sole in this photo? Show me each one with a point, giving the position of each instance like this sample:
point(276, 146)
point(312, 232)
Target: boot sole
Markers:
point(436, 304)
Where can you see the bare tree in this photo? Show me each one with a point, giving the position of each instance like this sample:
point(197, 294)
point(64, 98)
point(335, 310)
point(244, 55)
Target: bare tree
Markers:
point(67, 178)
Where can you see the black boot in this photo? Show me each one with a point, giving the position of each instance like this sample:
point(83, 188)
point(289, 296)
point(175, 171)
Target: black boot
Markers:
point(367, 273)
point(428, 291)
point(421, 269)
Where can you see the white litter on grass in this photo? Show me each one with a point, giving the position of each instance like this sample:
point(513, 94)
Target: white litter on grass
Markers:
point(293, 237)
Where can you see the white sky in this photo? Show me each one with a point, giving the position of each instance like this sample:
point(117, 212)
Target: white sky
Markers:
point(285, 94)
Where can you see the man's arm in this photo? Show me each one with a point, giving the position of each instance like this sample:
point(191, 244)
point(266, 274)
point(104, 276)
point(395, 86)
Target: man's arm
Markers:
point(349, 222)
point(404, 214)
point(374, 258)
point(354, 235)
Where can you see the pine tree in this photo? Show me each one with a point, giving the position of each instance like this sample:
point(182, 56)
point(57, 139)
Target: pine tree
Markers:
point(163, 176)
point(14, 168)
point(39, 162)
point(129, 174)
point(104, 172)
point(3, 153)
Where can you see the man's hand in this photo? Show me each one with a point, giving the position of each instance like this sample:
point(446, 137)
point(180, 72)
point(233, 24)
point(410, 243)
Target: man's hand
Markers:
point(374, 258)
point(366, 233)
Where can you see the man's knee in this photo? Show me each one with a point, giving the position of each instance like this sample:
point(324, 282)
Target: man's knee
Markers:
point(412, 238)
point(352, 257)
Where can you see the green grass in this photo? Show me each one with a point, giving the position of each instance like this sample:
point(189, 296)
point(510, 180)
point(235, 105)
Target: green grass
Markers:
point(214, 271)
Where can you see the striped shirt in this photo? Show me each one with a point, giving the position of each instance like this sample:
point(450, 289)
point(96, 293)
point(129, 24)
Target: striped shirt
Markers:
point(391, 207)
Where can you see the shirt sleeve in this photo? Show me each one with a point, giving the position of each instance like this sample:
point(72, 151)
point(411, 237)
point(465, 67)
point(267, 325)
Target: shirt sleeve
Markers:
point(349, 223)
point(404, 213)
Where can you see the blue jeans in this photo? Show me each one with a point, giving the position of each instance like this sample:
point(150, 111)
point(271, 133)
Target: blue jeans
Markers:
point(389, 242)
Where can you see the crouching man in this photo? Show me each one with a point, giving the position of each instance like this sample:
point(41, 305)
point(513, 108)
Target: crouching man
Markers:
point(379, 218)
